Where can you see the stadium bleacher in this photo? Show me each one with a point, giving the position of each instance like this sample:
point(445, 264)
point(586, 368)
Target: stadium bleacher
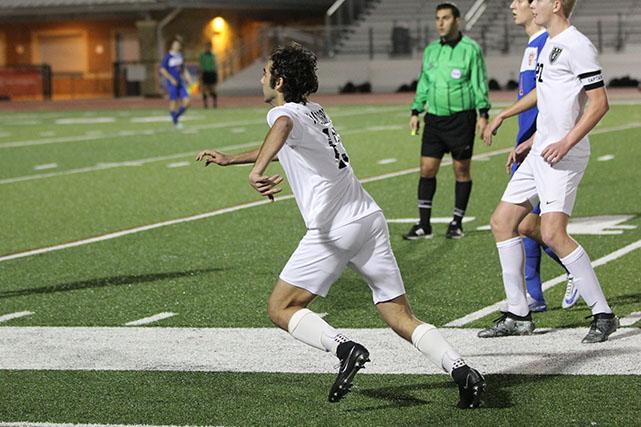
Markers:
point(611, 25)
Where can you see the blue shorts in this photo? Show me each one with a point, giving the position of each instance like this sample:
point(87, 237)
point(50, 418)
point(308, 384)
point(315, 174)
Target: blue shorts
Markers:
point(177, 92)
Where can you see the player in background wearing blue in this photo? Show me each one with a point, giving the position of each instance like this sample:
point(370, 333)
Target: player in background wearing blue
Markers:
point(177, 79)
point(530, 226)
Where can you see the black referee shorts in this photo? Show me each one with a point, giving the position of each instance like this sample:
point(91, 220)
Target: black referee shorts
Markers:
point(210, 77)
point(449, 134)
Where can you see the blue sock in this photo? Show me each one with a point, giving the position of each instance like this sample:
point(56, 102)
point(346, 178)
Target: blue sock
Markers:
point(533, 269)
point(174, 116)
point(552, 255)
point(180, 112)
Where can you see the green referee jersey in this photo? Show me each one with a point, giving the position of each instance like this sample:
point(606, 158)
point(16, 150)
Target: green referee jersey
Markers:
point(207, 61)
point(453, 78)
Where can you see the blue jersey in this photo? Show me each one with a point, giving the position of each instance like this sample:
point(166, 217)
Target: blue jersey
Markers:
point(174, 64)
point(527, 83)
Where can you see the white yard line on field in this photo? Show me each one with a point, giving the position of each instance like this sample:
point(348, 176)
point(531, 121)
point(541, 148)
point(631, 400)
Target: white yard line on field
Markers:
point(631, 319)
point(151, 319)
point(200, 216)
point(168, 130)
point(479, 314)
point(547, 352)
point(127, 163)
point(17, 315)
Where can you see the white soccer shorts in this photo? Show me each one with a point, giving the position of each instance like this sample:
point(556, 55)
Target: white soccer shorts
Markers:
point(364, 245)
point(555, 187)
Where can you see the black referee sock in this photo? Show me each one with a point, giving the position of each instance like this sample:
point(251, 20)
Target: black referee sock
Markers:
point(461, 197)
point(426, 190)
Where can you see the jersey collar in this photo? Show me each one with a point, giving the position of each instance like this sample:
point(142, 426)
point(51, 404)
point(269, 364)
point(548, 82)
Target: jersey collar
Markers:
point(536, 35)
point(452, 43)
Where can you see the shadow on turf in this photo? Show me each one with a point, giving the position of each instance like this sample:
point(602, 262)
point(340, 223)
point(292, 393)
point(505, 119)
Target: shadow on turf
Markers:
point(497, 396)
point(101, 282)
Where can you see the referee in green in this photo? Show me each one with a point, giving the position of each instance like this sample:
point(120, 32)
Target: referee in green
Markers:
point(453, 86)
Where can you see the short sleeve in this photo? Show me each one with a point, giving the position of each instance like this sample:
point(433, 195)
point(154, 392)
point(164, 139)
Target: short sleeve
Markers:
point(278, 112)
point(165, 61)
point(586, 67)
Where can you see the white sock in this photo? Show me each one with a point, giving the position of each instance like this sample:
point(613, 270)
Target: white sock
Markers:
point(578, 264)
point(512, 259)
point(310, 328)
point(429, 341)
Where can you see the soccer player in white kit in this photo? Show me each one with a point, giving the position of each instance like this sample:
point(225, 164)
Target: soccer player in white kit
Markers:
point(568, 75)
point(344, 224)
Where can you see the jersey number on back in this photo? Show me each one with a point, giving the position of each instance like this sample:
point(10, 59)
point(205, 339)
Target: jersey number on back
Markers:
point(334, 141)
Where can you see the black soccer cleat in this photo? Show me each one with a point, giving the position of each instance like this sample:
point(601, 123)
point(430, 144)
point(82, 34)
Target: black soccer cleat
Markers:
point(353, 357)
point(454, 231)
point(471, 386)
point(418, 232)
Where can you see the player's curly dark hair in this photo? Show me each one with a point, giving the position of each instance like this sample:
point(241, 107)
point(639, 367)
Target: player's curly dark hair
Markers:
point(297, 67)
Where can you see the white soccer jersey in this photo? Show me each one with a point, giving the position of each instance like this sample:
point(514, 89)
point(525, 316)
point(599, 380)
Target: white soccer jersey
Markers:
point(318, 170)
point(567, 67)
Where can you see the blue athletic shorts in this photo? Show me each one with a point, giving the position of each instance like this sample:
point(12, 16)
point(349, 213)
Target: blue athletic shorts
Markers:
point(177, 92)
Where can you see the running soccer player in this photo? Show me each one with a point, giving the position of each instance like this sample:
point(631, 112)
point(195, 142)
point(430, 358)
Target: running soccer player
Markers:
point(177, 78)
point(345, 227)
point(568, 75)
point(530, 226)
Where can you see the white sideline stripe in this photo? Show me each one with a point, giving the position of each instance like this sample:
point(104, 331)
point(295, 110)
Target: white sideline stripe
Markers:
point(147, 132)
point(178, 165)
point(29, 424)
point(138, 229)
point(199, 216)
point(479, 314)
point(151, 319)
point(436, 220)
point(386, 161)
point(105, 166)
point(631, 319)
point(16, 315)
point(45, 166)
point(547, 352)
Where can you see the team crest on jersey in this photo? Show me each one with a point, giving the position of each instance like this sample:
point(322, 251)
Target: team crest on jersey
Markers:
point(554, 55)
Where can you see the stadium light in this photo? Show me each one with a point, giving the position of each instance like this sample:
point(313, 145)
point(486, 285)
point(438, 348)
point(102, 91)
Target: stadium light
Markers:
point(218, 24)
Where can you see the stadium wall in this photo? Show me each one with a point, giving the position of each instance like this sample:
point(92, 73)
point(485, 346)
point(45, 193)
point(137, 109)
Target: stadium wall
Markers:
point(389, 75)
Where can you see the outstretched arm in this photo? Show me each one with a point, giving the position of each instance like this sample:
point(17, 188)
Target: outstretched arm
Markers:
point(223, 159)
point(524, 104)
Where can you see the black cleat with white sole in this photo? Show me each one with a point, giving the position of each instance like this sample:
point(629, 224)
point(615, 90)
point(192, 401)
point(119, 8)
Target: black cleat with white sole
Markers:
point(471, 386)
point(353, 357)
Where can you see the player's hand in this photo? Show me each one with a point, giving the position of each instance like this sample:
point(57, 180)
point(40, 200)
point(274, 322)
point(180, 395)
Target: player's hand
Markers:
point(174, 82)
point(213, 156)
point(481, 125)
point(491, 130)
point(511, 160)
point(265, 185)
point(553, 153)
point(415, 124)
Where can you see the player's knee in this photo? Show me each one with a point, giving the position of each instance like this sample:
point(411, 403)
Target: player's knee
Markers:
point(497, 223)
point(527, 229)
point(428, 172)
point(551, 237)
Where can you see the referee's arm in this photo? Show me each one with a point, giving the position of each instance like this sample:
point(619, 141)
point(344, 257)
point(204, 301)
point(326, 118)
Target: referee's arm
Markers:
point(418, 106)
point(480, 89)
